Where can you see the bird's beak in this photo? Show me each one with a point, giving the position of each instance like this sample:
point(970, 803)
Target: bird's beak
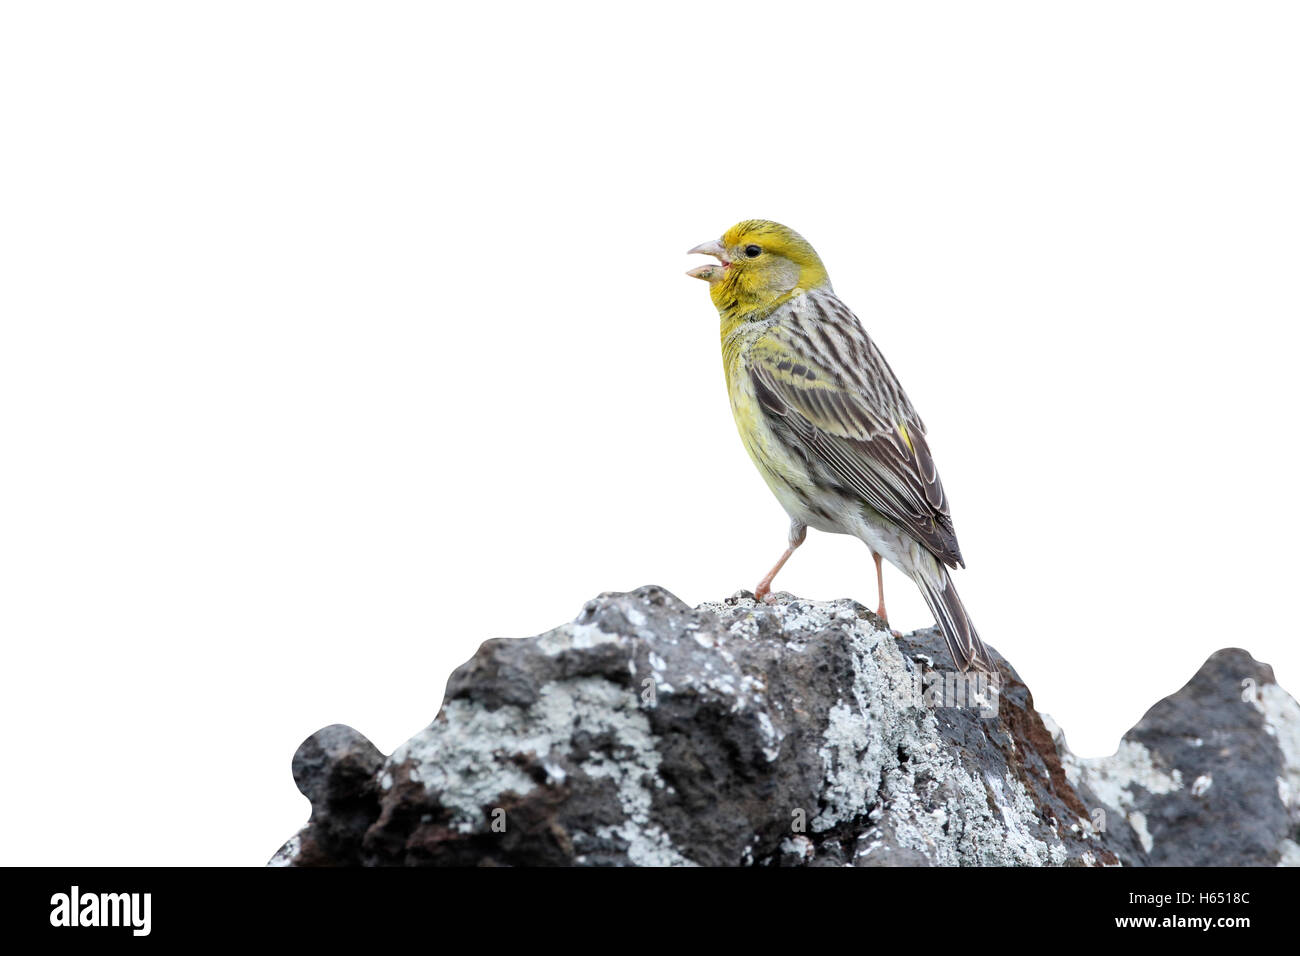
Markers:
point(710, 273)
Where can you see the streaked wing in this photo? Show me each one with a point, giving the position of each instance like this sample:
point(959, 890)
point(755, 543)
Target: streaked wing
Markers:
point(825, 380)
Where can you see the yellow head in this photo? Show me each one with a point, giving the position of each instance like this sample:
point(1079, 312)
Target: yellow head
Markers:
point(761, 265)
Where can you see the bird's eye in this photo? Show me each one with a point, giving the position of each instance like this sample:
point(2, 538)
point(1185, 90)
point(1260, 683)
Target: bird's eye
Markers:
point(752, 251)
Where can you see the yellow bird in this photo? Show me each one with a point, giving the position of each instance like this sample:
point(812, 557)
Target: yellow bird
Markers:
point(826, 421)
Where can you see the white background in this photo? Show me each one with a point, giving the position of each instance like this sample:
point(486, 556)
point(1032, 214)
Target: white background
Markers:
point(339, 338)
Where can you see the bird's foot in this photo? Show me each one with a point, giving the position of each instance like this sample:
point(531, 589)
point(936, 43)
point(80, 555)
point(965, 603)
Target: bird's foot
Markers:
point(880, 613)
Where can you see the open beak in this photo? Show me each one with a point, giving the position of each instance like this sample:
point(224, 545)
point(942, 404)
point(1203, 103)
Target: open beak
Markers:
point(710, 273)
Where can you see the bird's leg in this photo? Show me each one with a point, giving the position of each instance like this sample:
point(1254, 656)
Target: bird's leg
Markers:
point(880, 588)
point(798, 531)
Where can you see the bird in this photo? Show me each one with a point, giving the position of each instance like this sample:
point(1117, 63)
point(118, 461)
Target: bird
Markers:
point(826, 422)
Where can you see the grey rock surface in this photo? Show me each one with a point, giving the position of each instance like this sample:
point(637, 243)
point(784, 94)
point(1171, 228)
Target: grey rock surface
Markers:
point(800, 733)
point(1209, 777)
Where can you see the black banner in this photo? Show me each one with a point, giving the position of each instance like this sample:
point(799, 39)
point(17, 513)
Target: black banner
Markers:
point(267, 905)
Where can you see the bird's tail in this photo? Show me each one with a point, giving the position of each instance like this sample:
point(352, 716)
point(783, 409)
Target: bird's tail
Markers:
point(964, 643)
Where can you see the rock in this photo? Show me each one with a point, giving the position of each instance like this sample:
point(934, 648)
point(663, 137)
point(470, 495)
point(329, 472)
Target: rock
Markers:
point(336, 769)
point(1209, 777)
point(795, 734)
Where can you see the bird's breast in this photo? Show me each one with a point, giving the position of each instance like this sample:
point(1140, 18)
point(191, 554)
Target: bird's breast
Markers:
point(781, 468)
